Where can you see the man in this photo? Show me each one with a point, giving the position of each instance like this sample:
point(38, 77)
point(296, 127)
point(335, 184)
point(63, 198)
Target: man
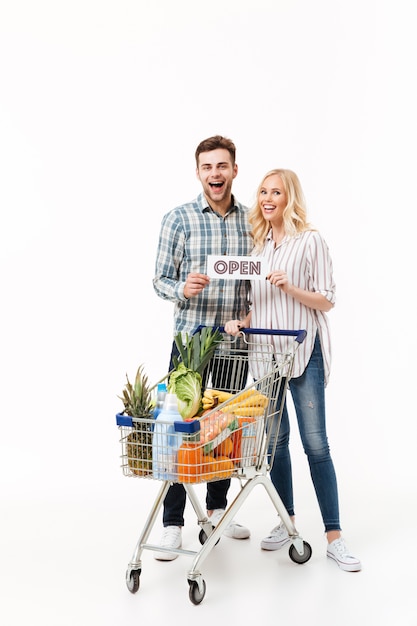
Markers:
point(214, 223)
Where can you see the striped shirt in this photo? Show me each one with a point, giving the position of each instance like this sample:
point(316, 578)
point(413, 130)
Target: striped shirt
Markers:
point(306, 260)
point(189, 233)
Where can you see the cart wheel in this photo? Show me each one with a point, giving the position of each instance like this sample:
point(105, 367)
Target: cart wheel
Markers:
point(196, 596)
point(300, 558)
point(203, 537)
point(133, 582)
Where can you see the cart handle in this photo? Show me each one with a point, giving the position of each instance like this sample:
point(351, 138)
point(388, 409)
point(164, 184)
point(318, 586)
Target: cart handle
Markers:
point(299, 335)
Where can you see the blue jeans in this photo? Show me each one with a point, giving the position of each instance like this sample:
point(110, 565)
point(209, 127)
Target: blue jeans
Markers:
point(307, 393)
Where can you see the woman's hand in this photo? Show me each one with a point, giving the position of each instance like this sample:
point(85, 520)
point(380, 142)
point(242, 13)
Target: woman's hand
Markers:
point(312, 299)
point(279, 278)
point(233, 327)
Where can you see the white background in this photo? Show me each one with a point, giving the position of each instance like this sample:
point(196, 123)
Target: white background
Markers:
point(102, 105)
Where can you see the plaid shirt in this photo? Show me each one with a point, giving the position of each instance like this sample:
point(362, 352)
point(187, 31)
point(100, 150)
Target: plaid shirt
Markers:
point(188, 234)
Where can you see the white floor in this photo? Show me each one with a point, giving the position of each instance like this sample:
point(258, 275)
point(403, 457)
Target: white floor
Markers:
point(64, 552)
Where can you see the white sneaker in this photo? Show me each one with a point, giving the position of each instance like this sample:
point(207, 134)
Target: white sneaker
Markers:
point(277, 538)
point(338, 551)
point(171, 538)
point(232, 530)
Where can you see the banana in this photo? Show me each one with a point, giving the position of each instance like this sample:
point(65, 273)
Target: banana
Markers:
point(213, 397)
point(222, 395)
point(209, 400)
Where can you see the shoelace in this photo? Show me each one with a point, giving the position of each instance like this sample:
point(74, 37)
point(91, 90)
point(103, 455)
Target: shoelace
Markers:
point(341, 548)
point(279, 530)
point(169, 534)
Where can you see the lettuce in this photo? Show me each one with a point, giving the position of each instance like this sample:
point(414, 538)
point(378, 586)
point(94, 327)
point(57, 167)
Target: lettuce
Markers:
point(186, 384)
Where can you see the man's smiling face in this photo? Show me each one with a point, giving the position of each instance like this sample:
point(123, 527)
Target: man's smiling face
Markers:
point(216, 173)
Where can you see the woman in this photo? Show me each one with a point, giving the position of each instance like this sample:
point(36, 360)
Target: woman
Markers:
point(297, 294)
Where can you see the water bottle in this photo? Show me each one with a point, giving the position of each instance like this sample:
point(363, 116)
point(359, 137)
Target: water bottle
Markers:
point(166, 440)
point(161, 392)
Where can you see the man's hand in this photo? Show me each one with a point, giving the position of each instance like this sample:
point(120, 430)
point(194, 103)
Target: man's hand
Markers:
point(195, 284)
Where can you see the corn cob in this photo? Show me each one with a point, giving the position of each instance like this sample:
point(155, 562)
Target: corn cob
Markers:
point(243, 395)
point(257, 399)
point(247, 411)
point(250, 403)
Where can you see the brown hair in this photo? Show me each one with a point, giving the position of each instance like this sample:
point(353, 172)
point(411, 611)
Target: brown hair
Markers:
point(213, 143)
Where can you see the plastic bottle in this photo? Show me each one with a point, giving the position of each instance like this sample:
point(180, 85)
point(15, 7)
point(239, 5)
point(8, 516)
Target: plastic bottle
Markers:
point(166, 441)
point(161, 392)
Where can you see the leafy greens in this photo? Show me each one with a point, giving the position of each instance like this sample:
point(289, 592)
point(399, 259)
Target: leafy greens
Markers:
point(186, 384)
point(186, 378)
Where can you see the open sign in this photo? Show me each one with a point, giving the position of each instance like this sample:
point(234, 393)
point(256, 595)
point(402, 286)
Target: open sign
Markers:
point(236, 267)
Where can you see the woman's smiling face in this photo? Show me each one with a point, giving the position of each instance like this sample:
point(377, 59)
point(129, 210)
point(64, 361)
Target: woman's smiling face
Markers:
point(272, 198)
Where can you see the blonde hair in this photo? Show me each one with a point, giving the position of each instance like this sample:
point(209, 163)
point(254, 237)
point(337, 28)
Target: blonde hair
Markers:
point(295, 213)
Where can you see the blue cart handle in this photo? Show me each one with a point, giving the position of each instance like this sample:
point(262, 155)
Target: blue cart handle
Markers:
point(299, 335)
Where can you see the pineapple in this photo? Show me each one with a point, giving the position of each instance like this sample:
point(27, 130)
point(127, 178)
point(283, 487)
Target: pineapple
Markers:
point(137, 401)
point(137, 398)
point(139, 450)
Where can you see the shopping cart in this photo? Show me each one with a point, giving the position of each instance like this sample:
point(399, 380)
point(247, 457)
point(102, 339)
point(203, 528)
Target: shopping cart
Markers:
point(234, 438)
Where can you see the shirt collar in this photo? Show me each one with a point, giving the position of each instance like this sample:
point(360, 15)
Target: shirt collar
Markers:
point(269, 238)
point(204, 205)
point(286, 238)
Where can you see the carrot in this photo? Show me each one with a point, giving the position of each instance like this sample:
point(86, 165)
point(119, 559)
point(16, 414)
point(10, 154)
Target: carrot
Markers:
point(212, 424)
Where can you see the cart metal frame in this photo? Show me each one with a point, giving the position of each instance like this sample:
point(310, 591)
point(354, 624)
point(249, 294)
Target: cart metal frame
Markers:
point(234, 353)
